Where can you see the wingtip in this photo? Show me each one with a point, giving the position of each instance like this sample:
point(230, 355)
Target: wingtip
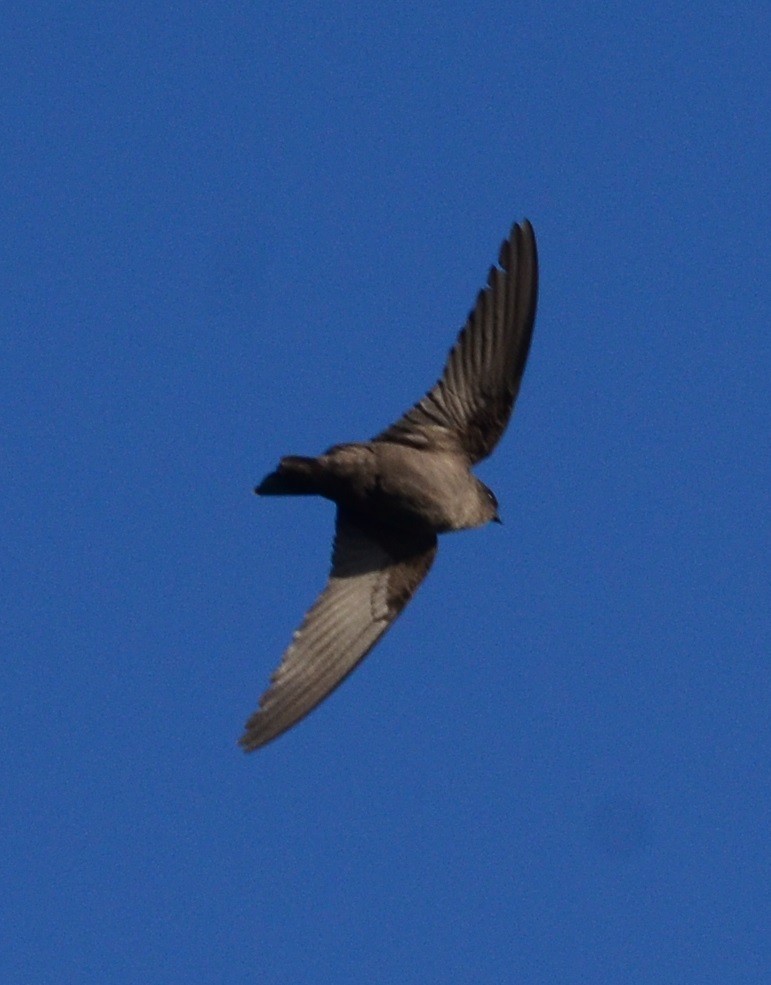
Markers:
point(519, 230)
point(521, 241)
point(510, 246)
point(528, 235)
point(249, 742)
point(257, 732)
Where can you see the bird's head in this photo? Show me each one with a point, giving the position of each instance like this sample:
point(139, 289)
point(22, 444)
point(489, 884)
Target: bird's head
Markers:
point(488, 504)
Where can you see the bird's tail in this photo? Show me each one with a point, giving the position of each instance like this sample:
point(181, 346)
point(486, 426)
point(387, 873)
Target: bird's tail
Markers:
point(295, 476)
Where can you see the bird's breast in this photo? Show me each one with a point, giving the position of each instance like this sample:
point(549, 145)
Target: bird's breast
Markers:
point(434, 489)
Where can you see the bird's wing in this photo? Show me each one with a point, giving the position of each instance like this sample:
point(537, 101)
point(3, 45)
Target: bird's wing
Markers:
point(469, 407)
point(375, 573)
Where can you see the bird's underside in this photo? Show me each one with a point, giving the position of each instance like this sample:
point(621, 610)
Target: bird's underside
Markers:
point(374, 574)
point(377, 564)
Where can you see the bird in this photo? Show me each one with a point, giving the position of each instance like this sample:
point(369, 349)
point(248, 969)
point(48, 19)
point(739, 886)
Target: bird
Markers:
point(397, 492)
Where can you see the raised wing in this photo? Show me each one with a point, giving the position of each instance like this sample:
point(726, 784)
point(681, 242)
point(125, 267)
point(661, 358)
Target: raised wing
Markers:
point(469, 407)
point(375, 573)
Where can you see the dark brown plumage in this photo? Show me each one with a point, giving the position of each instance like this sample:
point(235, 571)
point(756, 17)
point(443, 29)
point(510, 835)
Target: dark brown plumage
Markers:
point(395, 493)
point(470, 405)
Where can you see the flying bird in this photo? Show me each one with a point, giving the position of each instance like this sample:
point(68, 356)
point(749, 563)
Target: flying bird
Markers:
point(395, 493)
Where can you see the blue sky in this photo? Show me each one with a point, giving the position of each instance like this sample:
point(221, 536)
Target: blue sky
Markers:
point(233, 231)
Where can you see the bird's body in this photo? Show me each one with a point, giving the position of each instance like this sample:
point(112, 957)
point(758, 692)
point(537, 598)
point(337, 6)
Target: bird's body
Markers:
point(398, 485)
point(397, 492)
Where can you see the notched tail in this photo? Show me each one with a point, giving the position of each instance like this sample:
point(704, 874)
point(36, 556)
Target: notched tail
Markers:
point(295, 476)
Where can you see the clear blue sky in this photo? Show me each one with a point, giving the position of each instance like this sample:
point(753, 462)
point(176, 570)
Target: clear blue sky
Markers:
point(236, 230)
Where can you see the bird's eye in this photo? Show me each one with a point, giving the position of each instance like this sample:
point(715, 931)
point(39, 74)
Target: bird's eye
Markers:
point(491, 496)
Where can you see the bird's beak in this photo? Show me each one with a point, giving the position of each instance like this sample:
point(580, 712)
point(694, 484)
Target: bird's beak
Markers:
point(497, 519)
